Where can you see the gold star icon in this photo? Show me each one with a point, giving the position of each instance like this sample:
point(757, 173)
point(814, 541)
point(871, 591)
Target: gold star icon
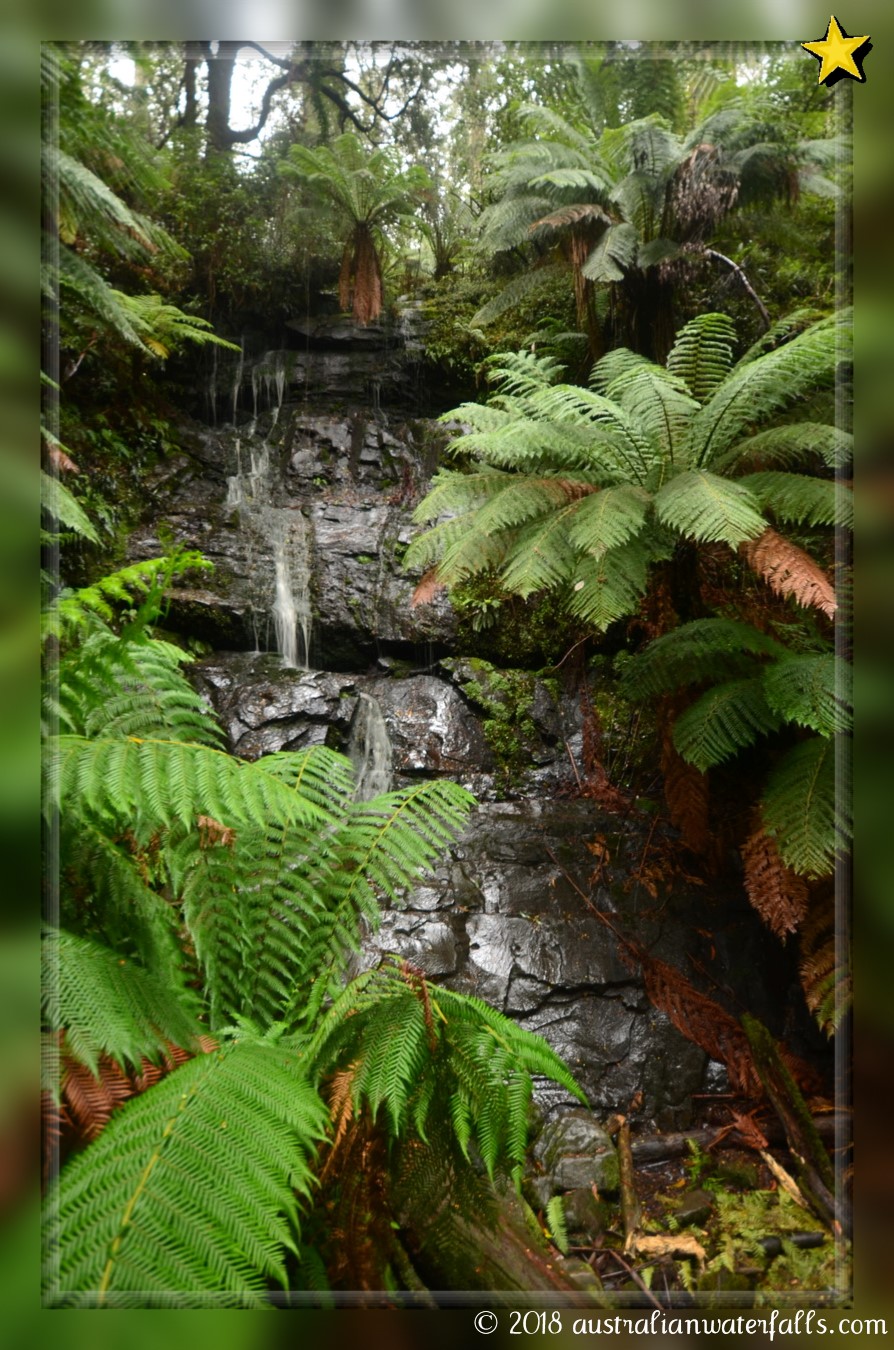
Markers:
point(835, 51)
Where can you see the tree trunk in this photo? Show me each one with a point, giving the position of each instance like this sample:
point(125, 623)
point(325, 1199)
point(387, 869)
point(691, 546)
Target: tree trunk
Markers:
point(497, 1252)
point(220, 82)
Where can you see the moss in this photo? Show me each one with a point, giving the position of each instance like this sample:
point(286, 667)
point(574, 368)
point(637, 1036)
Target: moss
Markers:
point(507, 697)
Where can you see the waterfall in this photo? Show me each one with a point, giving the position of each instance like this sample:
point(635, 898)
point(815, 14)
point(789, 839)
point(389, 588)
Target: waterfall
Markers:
point(292, 614)
point(237, 378)
point(369, 750)
point(284, 534)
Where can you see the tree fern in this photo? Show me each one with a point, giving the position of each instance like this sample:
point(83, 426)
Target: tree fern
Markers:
point(410, 1041)
point(813, 691)
point(636, 446)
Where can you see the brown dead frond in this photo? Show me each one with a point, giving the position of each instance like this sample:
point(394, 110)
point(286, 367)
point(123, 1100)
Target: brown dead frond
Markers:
point(60, 460)
point(686, 794)
point(368, 291)
point(777, 893)
point(89, 1099)
point(824, 968)
point(586, 212)
point(211, 832)
point(427, 588)
point(788, 570)
point(701, 1020)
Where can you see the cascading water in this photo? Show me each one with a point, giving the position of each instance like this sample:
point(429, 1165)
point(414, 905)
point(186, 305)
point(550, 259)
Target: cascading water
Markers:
point(285, 534)
point(237, 378)
point(369, 750)
point(289, 534)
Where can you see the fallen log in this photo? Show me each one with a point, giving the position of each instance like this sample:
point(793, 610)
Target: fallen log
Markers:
point(660, 1147)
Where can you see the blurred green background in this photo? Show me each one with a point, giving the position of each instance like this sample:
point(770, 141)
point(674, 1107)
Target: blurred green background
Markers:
point(873, 920)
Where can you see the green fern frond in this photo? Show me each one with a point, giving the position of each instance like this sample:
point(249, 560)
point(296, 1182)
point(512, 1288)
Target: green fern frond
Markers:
point(610, 586)
point(813, 691)
point(724, 721)
point(400, 1032)
point(780, 332)
point(540, 556)
point(116, 686)
point(555, 1218)
point(608, 518)
point(107, 1004)
point(193, 1187)
point(63, 507)
point(613, 255)
point(702, 355)
point(804, 809)
point(661, 405)
point(159, 783)
point(765, 386)
point(706, 649)
point(129, 586)
point(801, 499)
point(790, 445)
point(522, 373)
point(522, 287)
point(706, 507)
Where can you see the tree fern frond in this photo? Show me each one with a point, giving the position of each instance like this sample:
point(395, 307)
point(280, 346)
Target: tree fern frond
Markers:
point(130, 586)
point(144, 773)
point(540, 556)
point(706, 507)
point(803, 809)
point(63, 507)
point(516, 291)
point(706, 649)
point(661, 405)
point(191, 1187)
point(724, 721)
point(789, 445)
point(780, 332)
point(813, 691)
point(613, 254)
point(109, 1005)
point(610, 586)
point(702, 355)
point(788, 570)
point(402, 1032)
point(526, 499)
point(608, 518)
point(764, 387)
point(522, 373)
point(802, 499)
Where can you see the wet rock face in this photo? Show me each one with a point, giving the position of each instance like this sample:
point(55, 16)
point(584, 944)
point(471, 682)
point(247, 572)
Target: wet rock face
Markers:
point(502, 917)
point(509, 914)
point(354, 478)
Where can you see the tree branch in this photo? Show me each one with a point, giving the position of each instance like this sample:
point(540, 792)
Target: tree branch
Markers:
point(721, 257)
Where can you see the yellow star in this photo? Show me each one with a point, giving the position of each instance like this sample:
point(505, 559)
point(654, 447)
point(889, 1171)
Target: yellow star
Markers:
point(836, 52)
